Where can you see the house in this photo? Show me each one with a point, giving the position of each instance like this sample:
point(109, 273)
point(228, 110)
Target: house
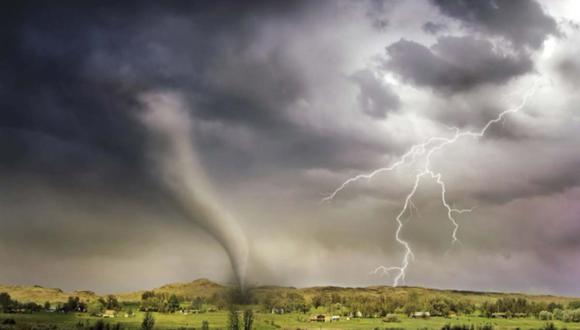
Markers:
point(109, 313)
point(277, 310)
point(420, 315)
point(318, 318)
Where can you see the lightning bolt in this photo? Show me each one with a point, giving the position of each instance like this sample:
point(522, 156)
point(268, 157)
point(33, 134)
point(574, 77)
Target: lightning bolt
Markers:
point(427, 149)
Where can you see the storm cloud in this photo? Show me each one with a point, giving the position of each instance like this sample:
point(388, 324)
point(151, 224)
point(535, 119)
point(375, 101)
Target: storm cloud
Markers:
point(454, 63)
point(508, 19)
point(282, 102)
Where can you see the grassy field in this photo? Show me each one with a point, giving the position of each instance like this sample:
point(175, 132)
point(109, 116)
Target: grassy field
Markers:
point(218, 319)
point(270, 321)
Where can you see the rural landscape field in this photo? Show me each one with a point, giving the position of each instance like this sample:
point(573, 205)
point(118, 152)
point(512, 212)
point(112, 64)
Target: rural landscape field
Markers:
point(203, 304)
point(289, 164)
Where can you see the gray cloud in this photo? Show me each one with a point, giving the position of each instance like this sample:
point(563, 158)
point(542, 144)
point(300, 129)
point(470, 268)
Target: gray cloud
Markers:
point(434, 28)
point(522, 22)
point(376, 98)
point(454, 63)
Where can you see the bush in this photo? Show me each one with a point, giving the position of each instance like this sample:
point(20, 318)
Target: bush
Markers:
point(99, 325)
point(8, 322)
point(545, 316)
point(233, 320)
point(549, 326)
point(571, 315)
point(391, 318)
point(248, 319)
point(558, 314)
point(148, 322)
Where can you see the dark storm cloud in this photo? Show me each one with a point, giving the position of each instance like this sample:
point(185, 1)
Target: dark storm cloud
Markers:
point(376, 98)
point(71, 73)
point(454, 63)
point(433, 28)
point(523, 22)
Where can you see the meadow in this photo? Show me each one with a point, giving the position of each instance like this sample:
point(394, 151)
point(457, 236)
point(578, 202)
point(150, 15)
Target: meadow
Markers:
point(219, 320)
point(187, 305)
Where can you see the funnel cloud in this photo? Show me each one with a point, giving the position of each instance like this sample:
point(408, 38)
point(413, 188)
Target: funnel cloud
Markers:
point(166, 117)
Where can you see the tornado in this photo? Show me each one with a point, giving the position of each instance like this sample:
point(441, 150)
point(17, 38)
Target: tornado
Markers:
point(176, 162)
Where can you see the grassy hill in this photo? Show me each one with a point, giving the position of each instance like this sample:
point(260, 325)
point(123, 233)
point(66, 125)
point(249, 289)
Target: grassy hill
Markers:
point(207, 288)
point(41, 294)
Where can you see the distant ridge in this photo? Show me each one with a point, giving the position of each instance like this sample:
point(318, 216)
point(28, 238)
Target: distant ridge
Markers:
point(206, 288)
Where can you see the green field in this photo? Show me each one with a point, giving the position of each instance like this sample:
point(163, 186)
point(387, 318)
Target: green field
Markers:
point(328, 300)
point(268, 321)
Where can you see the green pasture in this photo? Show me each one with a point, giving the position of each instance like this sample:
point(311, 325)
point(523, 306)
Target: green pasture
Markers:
point(218, 320)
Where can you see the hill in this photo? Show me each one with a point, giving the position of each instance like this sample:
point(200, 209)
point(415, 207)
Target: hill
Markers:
point(207, 288)
point(41, 294)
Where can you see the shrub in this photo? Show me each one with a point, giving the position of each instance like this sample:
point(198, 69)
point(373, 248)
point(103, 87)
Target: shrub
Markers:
point(248, 319)
point(99, 325)
point(9, 322)
point(148, 321)
point(233, 320)
point(558, 314)
point(391, 318)
point(549, 326)
point(545, 316)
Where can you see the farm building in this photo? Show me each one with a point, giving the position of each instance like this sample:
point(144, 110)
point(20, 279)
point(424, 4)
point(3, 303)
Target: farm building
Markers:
point(109, 313)
point(318, 318)
point(420, 315)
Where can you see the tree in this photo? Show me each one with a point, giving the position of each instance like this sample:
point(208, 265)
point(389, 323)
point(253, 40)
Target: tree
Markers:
point(112, 302)
point(439, 307)
point(95, 308)
point(173, 303)
point(248, 319)
point(205, 325)
point(148, 321)
point(6, 301)
point(197, 303)
point(233, 321)
point(47, 306)
point(73, 304)
point(574, 304)
point(147, 294)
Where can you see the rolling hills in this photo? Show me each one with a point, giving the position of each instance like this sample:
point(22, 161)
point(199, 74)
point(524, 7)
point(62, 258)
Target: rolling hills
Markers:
point(207, 288)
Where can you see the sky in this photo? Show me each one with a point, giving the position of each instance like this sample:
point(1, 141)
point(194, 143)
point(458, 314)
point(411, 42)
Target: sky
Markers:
point(144, 143)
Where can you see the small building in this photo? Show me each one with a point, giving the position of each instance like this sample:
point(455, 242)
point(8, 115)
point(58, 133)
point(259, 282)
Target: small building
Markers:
point(334, 318)
point(318, 318)
point(420, 315)
point(499, 315)
point(109, 313)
